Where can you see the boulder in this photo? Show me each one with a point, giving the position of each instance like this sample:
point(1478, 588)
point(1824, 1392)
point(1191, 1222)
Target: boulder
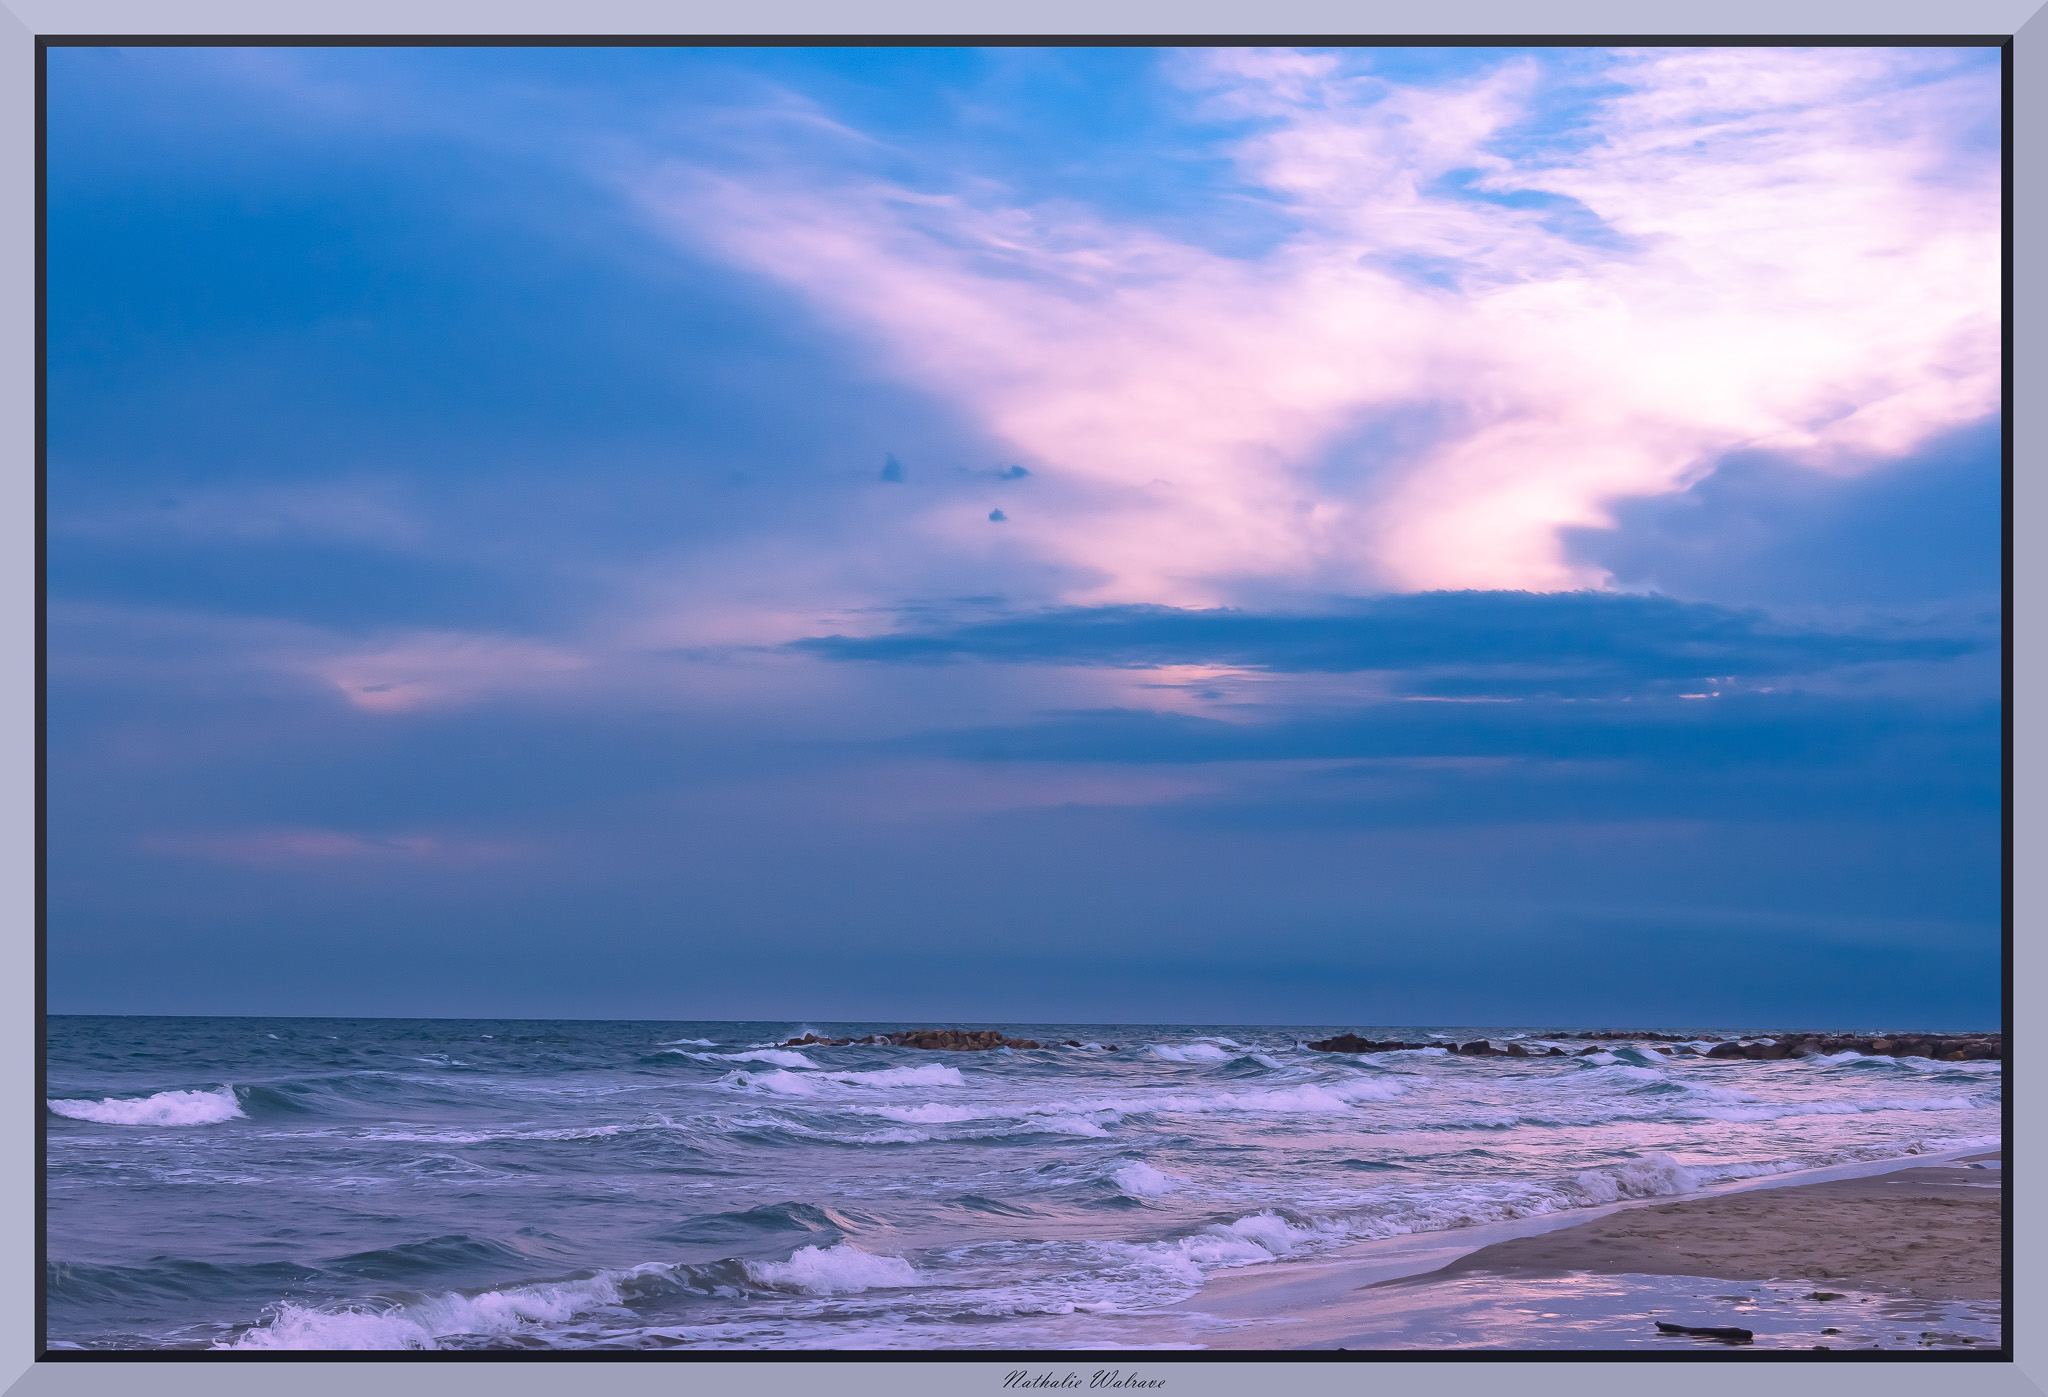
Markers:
point(1352, 1043)
point(959, 1040)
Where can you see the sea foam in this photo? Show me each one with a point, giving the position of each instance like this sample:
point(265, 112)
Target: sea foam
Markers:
point(775, 1056)
point(836, 1270)
point(164, 1108)
point(1141, 1180)
point(1655, 1175)
point(423, 1323)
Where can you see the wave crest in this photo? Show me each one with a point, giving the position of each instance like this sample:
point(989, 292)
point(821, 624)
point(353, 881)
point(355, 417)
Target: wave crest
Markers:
point(164, 1108)
point(837, 1270)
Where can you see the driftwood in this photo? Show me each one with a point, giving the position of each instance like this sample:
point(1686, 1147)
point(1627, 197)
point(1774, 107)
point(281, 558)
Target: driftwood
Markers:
point(1727, 1334)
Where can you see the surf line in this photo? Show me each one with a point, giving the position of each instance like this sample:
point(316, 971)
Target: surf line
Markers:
point(1102, 1377)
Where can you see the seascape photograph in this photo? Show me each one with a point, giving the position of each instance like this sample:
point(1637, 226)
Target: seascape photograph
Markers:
point(881, 698)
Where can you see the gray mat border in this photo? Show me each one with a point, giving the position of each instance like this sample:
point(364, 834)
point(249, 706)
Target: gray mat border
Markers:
point(21, 20)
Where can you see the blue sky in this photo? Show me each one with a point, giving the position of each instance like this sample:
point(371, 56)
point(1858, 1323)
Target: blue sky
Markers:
point(1379, 536)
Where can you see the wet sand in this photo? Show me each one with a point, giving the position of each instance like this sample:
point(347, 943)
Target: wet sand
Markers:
point(1930, 1233)
point(1837, 1263)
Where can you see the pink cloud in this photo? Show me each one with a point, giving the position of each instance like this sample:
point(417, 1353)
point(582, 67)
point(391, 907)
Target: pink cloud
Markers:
point(1805, 260)
point(298, 846)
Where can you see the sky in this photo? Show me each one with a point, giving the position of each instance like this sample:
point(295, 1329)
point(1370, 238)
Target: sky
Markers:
point(1369, 536)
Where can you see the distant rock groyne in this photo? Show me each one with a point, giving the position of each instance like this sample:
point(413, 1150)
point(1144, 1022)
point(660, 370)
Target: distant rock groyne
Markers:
point(947, 1040)
point(1940, 1047)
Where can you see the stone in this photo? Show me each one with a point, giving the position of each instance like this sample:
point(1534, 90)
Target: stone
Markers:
point(1352, 1043)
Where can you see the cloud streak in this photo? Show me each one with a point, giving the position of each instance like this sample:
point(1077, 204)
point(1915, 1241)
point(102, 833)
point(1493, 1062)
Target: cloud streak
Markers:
point(1626, 640)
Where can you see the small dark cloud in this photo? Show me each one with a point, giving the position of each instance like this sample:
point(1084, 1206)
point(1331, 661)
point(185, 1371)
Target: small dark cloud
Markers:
point(996, 516)
point(1012, 473)
point(892, 470)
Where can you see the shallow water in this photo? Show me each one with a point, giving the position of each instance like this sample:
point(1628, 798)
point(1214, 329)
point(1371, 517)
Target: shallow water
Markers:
point(330, 1183)
point(1600, 1312)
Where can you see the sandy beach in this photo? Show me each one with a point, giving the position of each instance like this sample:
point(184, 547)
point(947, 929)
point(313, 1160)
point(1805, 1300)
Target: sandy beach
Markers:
point(1907, 1258)
point(1932, 1233)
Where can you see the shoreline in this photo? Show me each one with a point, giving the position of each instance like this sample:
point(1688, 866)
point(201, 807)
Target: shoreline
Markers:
point(1912, 1240)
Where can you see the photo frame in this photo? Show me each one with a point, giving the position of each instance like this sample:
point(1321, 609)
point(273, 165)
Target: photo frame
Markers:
point(1182, 1376)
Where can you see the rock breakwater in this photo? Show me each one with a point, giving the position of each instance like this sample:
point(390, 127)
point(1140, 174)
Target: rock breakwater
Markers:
point(1939, 1047)
point(948, 1040)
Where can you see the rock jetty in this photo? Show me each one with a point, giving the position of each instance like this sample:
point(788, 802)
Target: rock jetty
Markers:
point(948, 1040)
point(1941, 1047)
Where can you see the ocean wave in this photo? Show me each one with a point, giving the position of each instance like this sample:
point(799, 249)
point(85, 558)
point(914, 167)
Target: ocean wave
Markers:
point(424, 1323)
point(1655, 1175)
point(777, 1056)
point(1141, 1180)
point(785, 1083)
point(1615, 1070)
point(1189, 1052)
point(164, 1108)
point(1246, 1241)
point(1308, 1097)
point(930, 1075)
point(1086, 1117)
point(1780, 1110)
point(932, 1113)
point(680, 1042)
point(836, 1270)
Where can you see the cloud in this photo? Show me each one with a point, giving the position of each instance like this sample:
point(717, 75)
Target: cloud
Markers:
point(1504, 642)
point(313, 847)
point(1761, 529)
point(1782, 249)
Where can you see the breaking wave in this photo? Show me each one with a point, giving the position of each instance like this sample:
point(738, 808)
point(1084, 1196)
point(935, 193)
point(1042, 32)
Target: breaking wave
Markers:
point(164, 1108)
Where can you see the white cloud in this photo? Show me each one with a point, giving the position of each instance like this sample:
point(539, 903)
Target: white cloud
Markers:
point(1804, 258)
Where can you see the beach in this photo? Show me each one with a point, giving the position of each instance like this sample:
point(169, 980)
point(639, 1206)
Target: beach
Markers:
point(1907, 1258)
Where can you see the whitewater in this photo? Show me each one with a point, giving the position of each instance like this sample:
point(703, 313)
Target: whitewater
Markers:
point(268, 1184)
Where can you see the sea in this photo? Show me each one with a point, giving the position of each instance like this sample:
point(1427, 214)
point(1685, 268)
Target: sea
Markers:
point(323, 1184)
